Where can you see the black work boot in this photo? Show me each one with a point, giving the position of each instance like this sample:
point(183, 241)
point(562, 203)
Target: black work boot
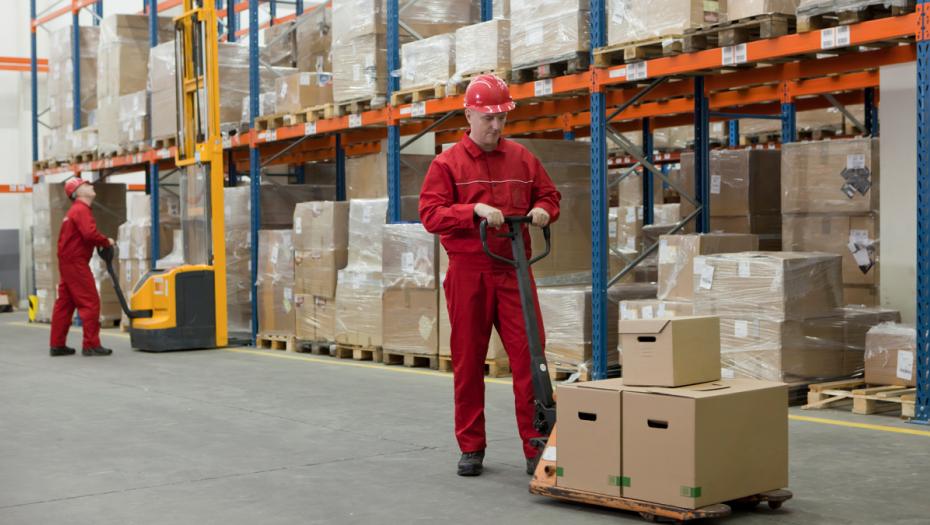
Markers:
point(531, 465)
point(96, 351)
point(470, 463)
point(56, 351)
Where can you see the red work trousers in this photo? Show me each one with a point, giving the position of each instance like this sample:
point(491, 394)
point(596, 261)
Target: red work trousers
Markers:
point(478, 299)
point(76, 290)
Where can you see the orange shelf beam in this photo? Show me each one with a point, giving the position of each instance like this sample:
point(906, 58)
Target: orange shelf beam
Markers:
point(22, 64)
point(15, 188)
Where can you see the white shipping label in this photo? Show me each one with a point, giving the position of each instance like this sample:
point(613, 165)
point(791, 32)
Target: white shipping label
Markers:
point(905, 365)
point(298, 225)
point(283, 92)
point(305, 79)
point(626, 314)
point(860, 237)
point(549, 454)
point(534, 35)
point(744, 269)
point(861, 255)
point(715, 184)
point(843, 37)
point(310, 128)
point(647, 312)
point(356, 72)
point(741, 329)
point(617, 72)
point(355, 120)
point(727, 373)
point(630, 216)
point(612, 229)
point(542, 88)
point(418, 109)
point(697, 266)
point(707, 277)
point(366, 214)
point(828, 38)
point(407, 262)
point(637, 71)
point(669, 255)
point(855, 162)
point(288, 294)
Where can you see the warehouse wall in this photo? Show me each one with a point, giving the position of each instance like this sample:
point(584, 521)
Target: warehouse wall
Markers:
point(898, 119)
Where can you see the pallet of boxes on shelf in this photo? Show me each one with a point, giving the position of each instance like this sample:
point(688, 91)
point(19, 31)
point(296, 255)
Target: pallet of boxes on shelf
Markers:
point(481, 48)
point(548, 38)
point(234, 86)
point(830, 201)
point(744, 21)
point(819, 14)
point(62, 143)
point(162, 84)
point(428, 65)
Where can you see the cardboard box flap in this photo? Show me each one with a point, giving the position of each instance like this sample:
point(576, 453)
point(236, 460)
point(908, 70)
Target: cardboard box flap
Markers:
point(643, 326)
point(712, 389)
point(615, 384)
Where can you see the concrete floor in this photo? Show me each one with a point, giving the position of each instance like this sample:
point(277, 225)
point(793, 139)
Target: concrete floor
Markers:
point(241, 436)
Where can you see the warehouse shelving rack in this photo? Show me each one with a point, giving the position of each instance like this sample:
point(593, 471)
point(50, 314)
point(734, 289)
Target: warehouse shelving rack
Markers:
point(770, 78)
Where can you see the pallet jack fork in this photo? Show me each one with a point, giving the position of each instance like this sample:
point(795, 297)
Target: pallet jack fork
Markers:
point(544, 479)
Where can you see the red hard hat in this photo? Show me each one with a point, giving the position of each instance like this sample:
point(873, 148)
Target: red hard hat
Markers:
point(489, 94)
point(72, 184)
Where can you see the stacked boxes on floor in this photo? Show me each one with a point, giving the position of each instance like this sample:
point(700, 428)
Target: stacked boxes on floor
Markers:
point(366, 178)
point(276, 308)
point(410, 275)
point(546, 31)
point(566, 313)
point(671, 408)
point(743, 188)
point(122, 76)
point(359, 286)
point(830, 200)
point(634, 21)
point(321, 235)
point(59, 142)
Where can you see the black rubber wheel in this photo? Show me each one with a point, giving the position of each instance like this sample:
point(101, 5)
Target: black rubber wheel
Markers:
point(775, 505)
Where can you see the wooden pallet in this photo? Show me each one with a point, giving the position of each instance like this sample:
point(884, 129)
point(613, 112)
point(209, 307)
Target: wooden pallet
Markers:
point(354, 107)
point(410, 360)
point(866, 399)
point(418, 94)
point(576, 63)
point(269, 122)
point(626, 52)
point(558, 373)
point(317, 347)
point(357, 353)
point(872, 11)
point(492, 367)
point(315, 113)
point(287, 343)
point(459, 87)
point(740, 31)
point(165, 142)
point(84, 156)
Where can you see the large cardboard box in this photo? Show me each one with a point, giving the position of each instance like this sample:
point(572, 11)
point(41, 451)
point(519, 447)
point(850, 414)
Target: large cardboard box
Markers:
point(316, 271)
point(566, 315)
point(742, 182)
point(316, 318)
point(543, 32)
point(631, 20)
point(676, 259)
point(276, 283)
point(366, 176)
point(831, 176)
point(410, 257)
point(302, 90)
point(767, 227)
point(314, 40)
point(861, 295)
point(890, 355)
point(358, 307)
point(670, 352)
point(853, 237)
point(277, 204)
point(321, 225)
point(411, 321)
point(483, 47)
point(746, 8)
point(428, 62)
point(590, 434)
point(360, 68)
point(774, 285)
point(704, 444)
point(279, 46)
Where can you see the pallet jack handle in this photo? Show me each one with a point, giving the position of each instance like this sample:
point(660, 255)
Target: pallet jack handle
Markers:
point(544, 420)
point(107, 253)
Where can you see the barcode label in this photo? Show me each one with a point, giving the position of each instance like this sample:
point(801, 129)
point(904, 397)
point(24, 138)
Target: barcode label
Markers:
point(355, 121)
point(542, 88)
point(310, 128)
point(733, 55)
point(637, 71)
point(418, 109)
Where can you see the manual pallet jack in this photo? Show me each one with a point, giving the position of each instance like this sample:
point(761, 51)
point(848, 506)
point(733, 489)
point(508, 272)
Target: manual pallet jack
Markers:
point(544, 479)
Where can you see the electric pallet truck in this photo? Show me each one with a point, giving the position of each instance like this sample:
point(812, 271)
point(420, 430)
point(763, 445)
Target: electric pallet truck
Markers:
point(544, 479)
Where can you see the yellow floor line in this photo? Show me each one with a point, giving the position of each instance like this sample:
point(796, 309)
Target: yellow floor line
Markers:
point(865, 426)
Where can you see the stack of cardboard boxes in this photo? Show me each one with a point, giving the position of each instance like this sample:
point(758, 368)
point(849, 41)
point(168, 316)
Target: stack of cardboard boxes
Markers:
point(566, 312)
point(830, 200)
point(636, 20)
point(672, 409)
point(366, 178)
point(359, 285)
point(321, 235)
point(545, 31)
point(410, 304)
point(276, 308)
point(307, 44)
point(483, 47)
point(59, 144)
point(163, 86)
point(428, 62)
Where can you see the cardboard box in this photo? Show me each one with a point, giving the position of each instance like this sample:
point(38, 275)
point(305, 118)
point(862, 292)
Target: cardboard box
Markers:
point(316, 271)
point(746, 8)
point(428, 62)
point(774, 285)
point(358, 308)
point(314, 40)
point(367, 218)
point(699, 445)
point(831, 176)
point(360, 68)
point(853, 237)
point(676, 259)
point(276, 283)
point(279, 44)
point(483, 47)
point(277, 204)
point(890, 355)
point(766, 227)
point(630, 21)
point(355, 18)
point(321, 225)
point(670, 352)
point(630, 224)
point(302, 90)
point(566, 315)
point(654, 309)
point(861, 295)
point(366, 176)
point(410, 257)
point(742, 182)
point(276, 314)
point(590, 434)
point(411, 321)
point(541, 33)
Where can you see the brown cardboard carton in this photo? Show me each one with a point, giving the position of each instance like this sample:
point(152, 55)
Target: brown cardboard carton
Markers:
point(280, 44)
point(428, 62)
point(314, 40)
point(305, 322)
point(857, 321)
point(654, 309)
point(704, 444)
point(366, 176)
point(590, 416)
point(276, 283)
point(854, 237)
point(766, 227)
point(742, 182)
point(325, 311)
point(358, 307)
point(890, 355)
point(276, 315)
point(831, 176)
point(676, 259)
point(360, 68)
point(321, 225)
point(746, 8)
point(566, 315)
point(366, 233)
point(774, 285)
point(410, 257)
point(547, 32)
point(277, 204)
point(483, 47)
point(302, 90)
point(316, 271)
point(410, 320)
point(670, 352)
point(861, 295)
point(630, 21)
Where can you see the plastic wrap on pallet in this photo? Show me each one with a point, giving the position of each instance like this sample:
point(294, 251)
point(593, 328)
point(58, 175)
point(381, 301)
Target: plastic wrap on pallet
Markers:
point(566, 315)
point(238, 260)
point(630, 224)
point(314, 40)
point(276, 282)
point(161, 74)
point(234, 81)
point(279, 45)
point(316, 318)
point(635, 20)
point(134, 239)
point(740, 9)
point(46, 303)
point(267, 103)
point(321, 225)
point(854, 237)
point(367, 218)
point(544, 31)
point(360, 69)
point(819, 7)
point(775, 286)
point(482, 47)
point(358, 307)
point(890, 355)
point(123, 53)
point(654, 309)
point(410, 319)
point(428, 62)
point(410, 257)
point(676, 259)
point(830, 176)
point(60, 78)
point(302, 90)
point(501, 9)
point(84, 140)
point(355, 18)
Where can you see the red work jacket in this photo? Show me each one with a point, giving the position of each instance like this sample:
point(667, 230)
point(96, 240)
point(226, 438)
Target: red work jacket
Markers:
point(509, 178)
point(79, 235)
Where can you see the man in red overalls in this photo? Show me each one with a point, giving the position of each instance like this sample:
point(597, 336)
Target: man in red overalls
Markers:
point(486, 177)
point(76, 243)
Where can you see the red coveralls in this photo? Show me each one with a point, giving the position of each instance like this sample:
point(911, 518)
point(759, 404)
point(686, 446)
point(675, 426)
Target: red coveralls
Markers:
point(76, 243)
point(479, 290)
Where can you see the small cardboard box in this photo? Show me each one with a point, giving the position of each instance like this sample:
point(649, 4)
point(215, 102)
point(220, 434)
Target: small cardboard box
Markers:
point(321, 225)
point(315, 271)
point(890, 355)
point(590, 416)
point(704, 444)
point(670, 352)
point(302, 90)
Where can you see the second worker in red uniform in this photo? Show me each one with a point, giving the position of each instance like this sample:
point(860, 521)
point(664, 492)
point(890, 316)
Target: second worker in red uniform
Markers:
point(486, 177)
